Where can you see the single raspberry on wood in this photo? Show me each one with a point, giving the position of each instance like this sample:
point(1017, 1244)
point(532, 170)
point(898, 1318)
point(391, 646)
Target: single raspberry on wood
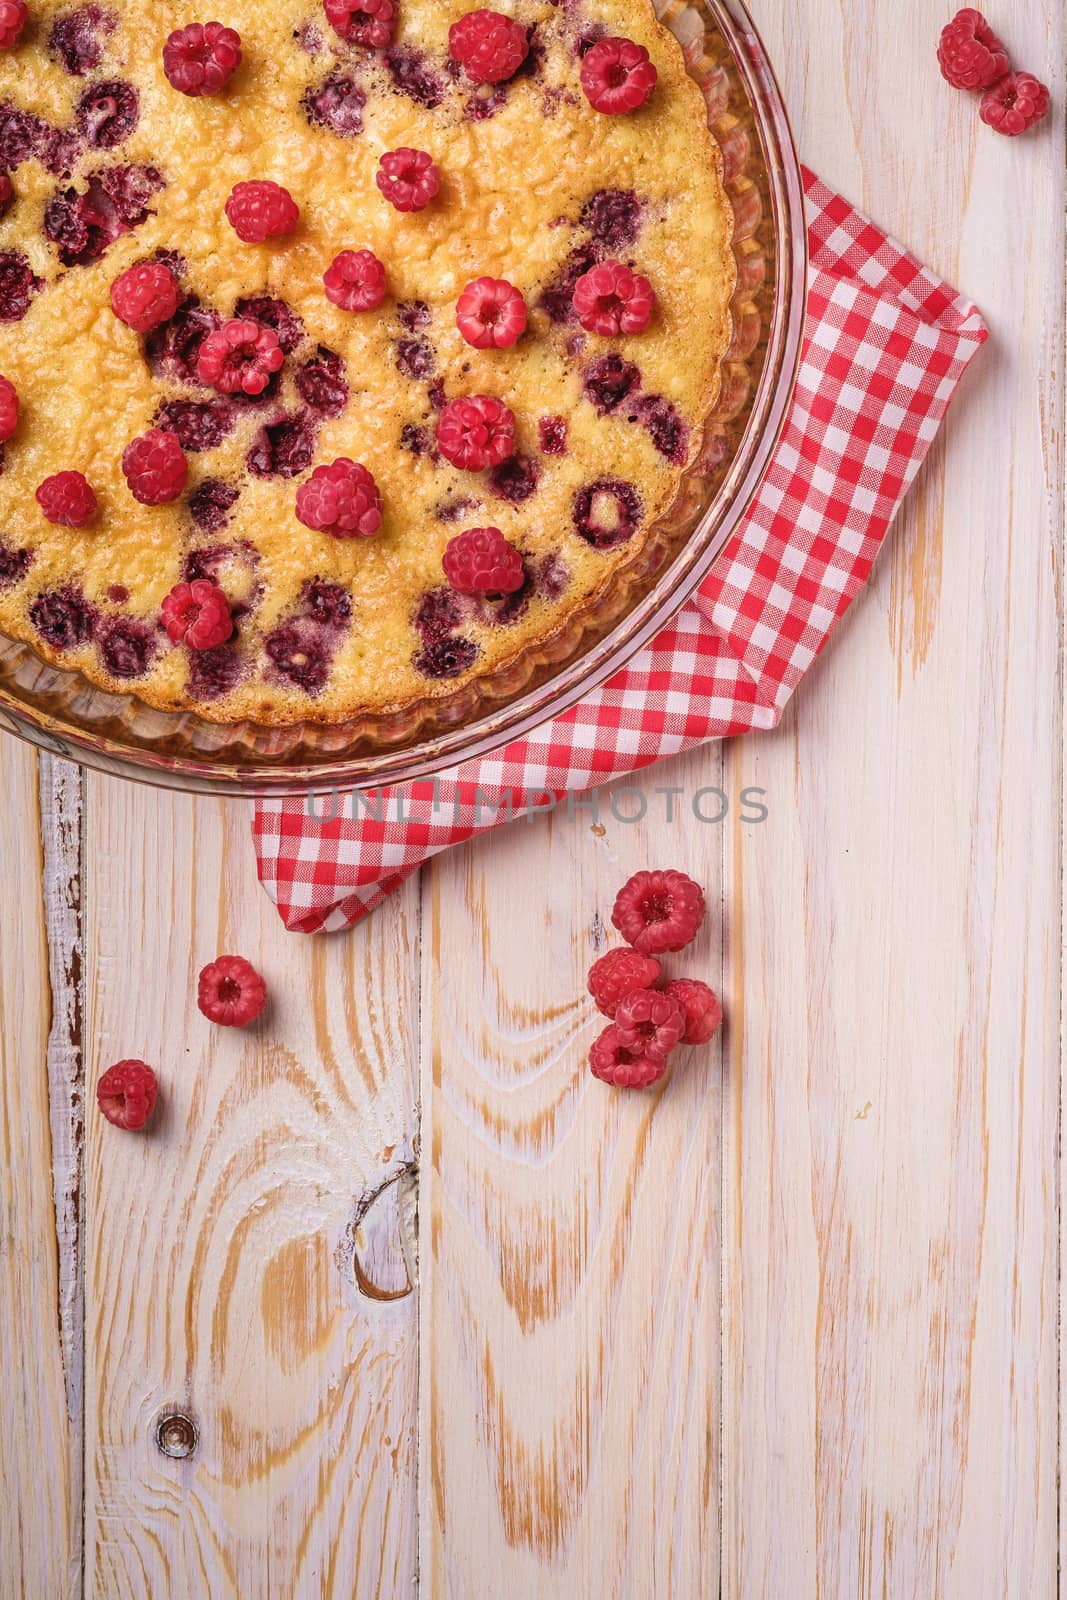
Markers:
point(617, 76)
point(1014, 104)
point(969, 53)
point(239, 357)
point(201, 58)
point(231, 992)
point(611, 1062)
point(67, 499)
point(658, 912)
point(476, 432)
point(619, 973)
point(9, 409)
point(481, 561)
point(13, 15)
point(155, 467)
point(341, 498)
point(261, 209)
point(650, 1022)
point(491, 314)
point(127, 1094)
point(369, 22)
point(198, 615)
point(489, 46)
point(407, 178)
point(610, 299)
point(355, 281)
point(145, 296)
point(703, 1013)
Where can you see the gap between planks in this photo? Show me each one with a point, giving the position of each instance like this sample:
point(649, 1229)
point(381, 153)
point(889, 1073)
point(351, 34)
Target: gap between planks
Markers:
point(61, 794)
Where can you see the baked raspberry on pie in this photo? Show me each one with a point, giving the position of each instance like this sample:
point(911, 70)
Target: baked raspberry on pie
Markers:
point(295, 296)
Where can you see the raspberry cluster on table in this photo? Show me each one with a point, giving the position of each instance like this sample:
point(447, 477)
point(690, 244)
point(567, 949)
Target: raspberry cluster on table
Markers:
point(475, 433)
point(971, 56)
point(657, 913)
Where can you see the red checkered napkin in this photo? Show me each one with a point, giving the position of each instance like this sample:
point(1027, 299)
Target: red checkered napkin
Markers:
point(885, 345)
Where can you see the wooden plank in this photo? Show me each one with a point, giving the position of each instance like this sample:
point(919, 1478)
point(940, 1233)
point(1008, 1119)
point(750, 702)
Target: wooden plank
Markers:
point(40, 1050)
point(890, 1196)
point(570, 1274)
point(1062, 1252)
point(237, 1272)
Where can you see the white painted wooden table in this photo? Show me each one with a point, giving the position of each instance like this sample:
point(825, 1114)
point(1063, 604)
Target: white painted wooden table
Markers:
point(788, 1329)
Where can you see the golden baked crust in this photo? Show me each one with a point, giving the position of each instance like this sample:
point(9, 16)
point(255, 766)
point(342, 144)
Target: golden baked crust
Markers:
point(515, 186)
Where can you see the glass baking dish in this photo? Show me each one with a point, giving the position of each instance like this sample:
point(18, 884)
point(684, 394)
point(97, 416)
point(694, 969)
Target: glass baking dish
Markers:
point(61, 711)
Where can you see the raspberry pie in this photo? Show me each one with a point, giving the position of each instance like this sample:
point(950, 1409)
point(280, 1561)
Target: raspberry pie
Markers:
point(346, 349)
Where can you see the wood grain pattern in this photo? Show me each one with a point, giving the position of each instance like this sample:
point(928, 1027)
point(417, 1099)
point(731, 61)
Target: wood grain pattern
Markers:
point(570, 1275)
point(891, 1137)
point(788, 1327)
point(40, 1322)
point(222, 1249)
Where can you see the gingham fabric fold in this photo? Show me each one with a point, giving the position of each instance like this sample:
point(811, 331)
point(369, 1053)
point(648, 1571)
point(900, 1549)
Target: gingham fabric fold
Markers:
point(886, 344)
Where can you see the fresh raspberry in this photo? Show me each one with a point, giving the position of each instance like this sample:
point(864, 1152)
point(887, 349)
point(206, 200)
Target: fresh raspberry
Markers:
point(1014, 104)
point(612, 1063)
point(369, 22)
point(658, 911)
point(489, 46)
point(231, 992)
point(201, 58)
point(126, 1094)
point(970, 54)
point(408, 178)
point(610, 299)
point(197, 614)
point(239, 357)
point(7, 193)
point(476, 433)
point(155, 467)
point(144, 296)
point(9, 408)
point(12, 21)
point(261, 209)
point(67, 499)
point(617, 76)
point(481, 561)
point(703, 1013)
point(341, 498)
point(617, 974)
point(491, 314)
point(355, 280)
point(650, 1022)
